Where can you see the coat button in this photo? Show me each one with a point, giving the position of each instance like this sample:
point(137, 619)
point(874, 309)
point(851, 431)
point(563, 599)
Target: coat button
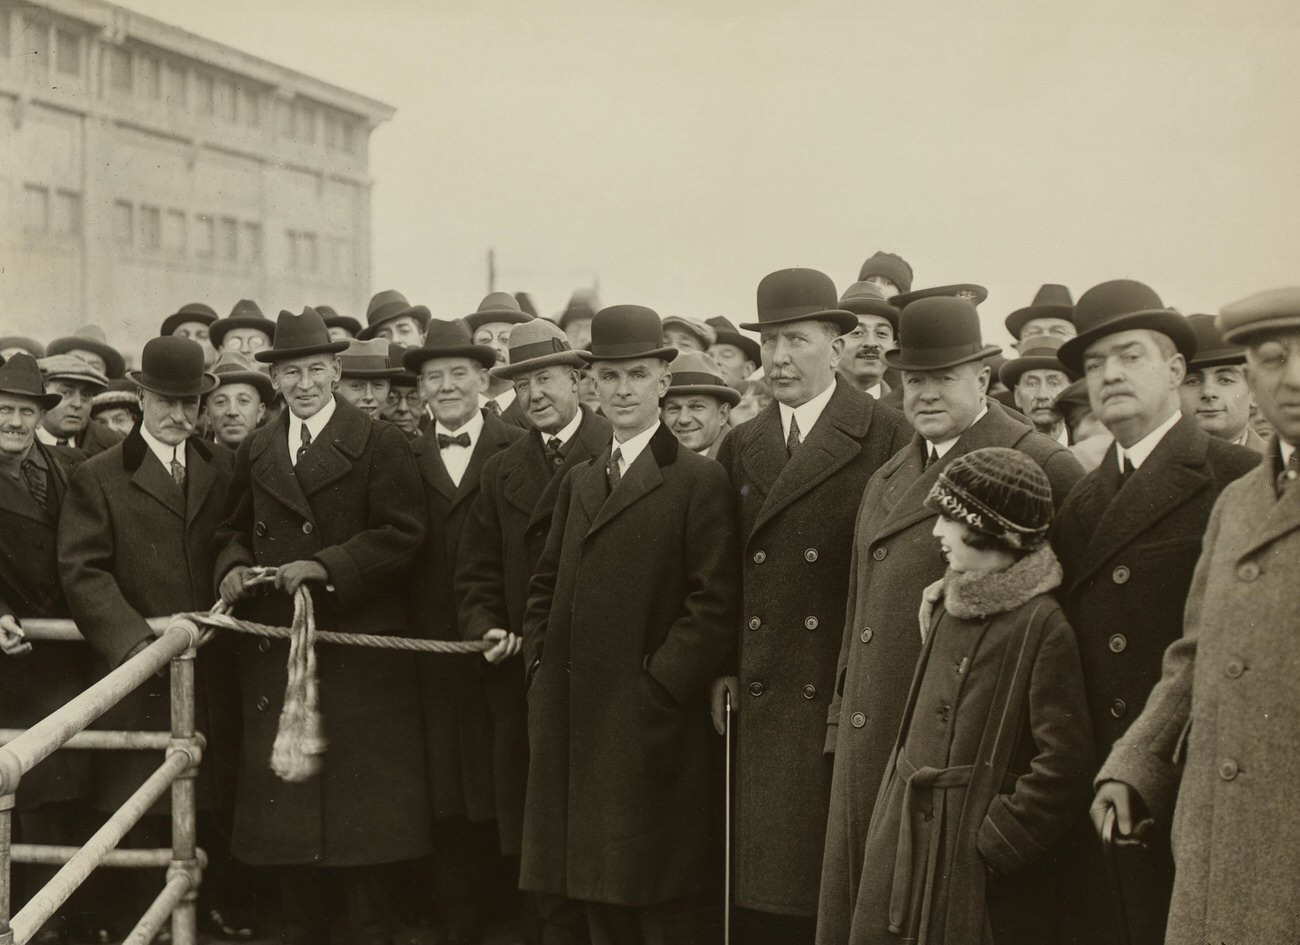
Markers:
point(1120, 575)
point(810, 691)
point(259, 529)
point(879, 553)
point(263, 645)
point(308, 528)
point(810, 555)
point(1248, 571)
point(1118, 708)
point(1234, 669)
point(755, 623)
point(1118, 643)
point(756, 688)
point(760, 556)
point(810, 623)
point(857, 720)
point(263, 703)
point(1228, 769)
point(865, 635)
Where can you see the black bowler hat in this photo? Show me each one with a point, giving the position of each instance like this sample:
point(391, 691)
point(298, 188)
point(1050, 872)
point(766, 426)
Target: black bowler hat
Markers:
point(729, 334)
point(1123, 305)
point(797, 295)
point(245, 314)
point(957, 290)
point(1050, 301)
point(387, 305)
point(297, 336)
point(193, 312)
point(448, 340)
point(173, 367)
point(1211, 349)
point(865, 298)
point(21, 377)
point(334, 320)
point(1039, 355)
point(938, 332)
point(497, 307)
point(623, 332)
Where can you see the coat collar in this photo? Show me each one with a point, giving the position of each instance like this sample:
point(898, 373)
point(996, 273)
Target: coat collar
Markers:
point(531, 484)
point(330, 457)
point(642, 477)
point(153, 479)
point(1271, 517)
point(978, 596)
point(494, 436)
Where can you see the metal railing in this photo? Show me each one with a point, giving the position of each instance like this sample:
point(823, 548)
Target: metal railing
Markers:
point(23, 750)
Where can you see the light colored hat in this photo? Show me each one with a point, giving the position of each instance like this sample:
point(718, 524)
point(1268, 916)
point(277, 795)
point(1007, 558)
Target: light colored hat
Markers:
point(536, 344)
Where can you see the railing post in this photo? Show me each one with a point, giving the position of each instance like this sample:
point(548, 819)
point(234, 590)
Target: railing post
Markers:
point(184, 827)
point(6, 866)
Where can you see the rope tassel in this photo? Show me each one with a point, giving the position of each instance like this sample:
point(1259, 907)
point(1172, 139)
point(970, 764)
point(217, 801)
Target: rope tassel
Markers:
point(300, 740)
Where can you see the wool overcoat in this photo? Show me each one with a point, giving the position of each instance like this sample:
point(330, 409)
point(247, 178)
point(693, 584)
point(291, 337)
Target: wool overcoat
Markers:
point(457, 722)
point(895, 556)
point(1128, 554)
point(352, 503)
point(33, 686)
point(1220, 734)
point(498, 553)
point(630, 617)
point(795, 559)
point(132, 545)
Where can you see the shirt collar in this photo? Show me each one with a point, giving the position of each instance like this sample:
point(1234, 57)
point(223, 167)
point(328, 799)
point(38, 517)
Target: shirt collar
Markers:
point(806, 414)
point(165, 452)
point(315, 423)
point(1139, 452)
point(875, 390)
point(567, 431)
point(631, 449)
point(48, 438)
point(1286, 449)
point(941, 447)
point(473, 426)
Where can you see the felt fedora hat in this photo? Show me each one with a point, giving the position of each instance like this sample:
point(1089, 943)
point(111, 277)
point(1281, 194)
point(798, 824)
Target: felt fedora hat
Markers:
point(173, 367)
point(191, 312)
point(622, 332)
point(395, 353)
point(245, 314)
point(537, 344)
point(444, 339)
point(333, 319)
point(1123, 305)
point(387, 305)
point(1211, 349)
point(966, 291)
point(497, 307)
point(694, 372)
point(30, 345)
point(890, 265)
point(729, 334)
point(1039, 355)
point(865, 298)
point(1050, 301)
point(368, 359)
point(938, 332)
point(796, 295)
point(297, 336)
point(71, 367)
point(584, 303)
point(702, 331)
point(1272, 310)
point(21, 377)
point(233, 368)
point(90, 338)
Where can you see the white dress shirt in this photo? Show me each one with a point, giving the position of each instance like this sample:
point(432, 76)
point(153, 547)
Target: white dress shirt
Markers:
point(1137, 453)
point(314, 424)
point(164, 452)
point(875, 390)
point(456, 458)
point(503, 400)
point(806, 414)
point(633, 448)
point(941, 447)
point(1286, 450)
point(566, 432)
point(49, 439)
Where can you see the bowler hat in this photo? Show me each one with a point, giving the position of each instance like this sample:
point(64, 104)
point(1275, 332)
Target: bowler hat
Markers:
point(368, 359)
point(334, 320)
point(191, 312)
point(1272, 310)
point(694, 372)
point(1050, 301)
point(173, 367)
point(729, 334)
point(1123, 305)
point(1039, 355)
point(497, 307)
point(796, 295)
point(298, 336)
point(90, 338)
point(245, 314)
point(582, 304)
point(537, 344)
point(702, 331)
point(21, 377)
point(938, 332)
point(121, 392)
point(30, 345)
point(1211, 349)
point(623, 332)
point(233, 368)
point(865, 298)
point(445, 339)
point(957, 290)
point(71, 367)
point(387, 305)
point(890, 265)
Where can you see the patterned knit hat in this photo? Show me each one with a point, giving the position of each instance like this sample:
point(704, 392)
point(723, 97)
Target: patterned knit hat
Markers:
point(998, 492)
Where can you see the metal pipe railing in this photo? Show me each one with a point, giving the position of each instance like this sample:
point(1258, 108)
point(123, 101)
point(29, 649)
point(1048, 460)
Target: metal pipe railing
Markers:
point(105, 740)
point(40, 854)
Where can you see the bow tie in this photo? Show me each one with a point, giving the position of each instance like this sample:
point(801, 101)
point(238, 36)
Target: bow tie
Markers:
point(460, 439)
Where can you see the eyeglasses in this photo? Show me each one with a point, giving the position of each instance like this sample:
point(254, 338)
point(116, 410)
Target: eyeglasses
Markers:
point(412, 399)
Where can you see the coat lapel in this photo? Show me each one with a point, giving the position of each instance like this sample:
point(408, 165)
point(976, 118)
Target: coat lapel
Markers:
point(333, 454)
point(199, 480)
point(526, 477)
point(428, 459)
point(15, 499)
point(765, 454)
point(147, 473)
point(642, 477)
point(1277, 516)
point(593, 436)
point(272, 469)
point(492, 438)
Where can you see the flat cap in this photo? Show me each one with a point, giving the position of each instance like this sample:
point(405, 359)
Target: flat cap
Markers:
point(1272, 310)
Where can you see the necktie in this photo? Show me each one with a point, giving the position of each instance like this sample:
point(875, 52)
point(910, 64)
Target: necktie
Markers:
point(553, 450)
point(931, 456)
point(615, 476)
point(1286, 479)
point(306, 442)
point(460, 439)
point(493, 408)
point(1126, 469)
point(36, 484)
point(63, 441)
point(793, 440)
point(178, 469)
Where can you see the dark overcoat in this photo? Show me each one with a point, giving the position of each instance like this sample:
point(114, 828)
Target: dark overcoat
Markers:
point(353, 503)
point(33, 686)
point(895, 557)
point(513, 416)
point(1129, 554)
point(132, 545)
point(795, 560)
point(457, 723)
point(630, 617)
point(497, 555)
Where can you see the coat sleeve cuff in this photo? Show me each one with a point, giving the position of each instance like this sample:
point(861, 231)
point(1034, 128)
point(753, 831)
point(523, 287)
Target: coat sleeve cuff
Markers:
point(1152, 777)
point(343, 573)
point(1005, 845)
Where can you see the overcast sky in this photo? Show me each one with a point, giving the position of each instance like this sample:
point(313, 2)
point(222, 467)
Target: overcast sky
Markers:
point(676, 152)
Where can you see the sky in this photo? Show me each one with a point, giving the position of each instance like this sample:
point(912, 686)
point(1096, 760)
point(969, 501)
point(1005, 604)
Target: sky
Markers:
point(673, 153)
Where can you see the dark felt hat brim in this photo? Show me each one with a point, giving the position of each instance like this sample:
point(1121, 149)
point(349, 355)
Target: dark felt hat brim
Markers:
point(377, 373)
point(873, 307)
point(1163, 320)
point(114, 363)
point(217, 332)
point(1017, 320)
point(1217, 357)
point(558, 358)
point(727, 394)
point(418, 312)
point(44, 401)
point(172, 322)
point(941, 291)
point(505, 317)
point(207, 383)
point(1011, 371)
point(346, 322)
point(748, 346)
point(915, 359)
point(663, 354)
point(272, 355)
point(845, 321)
point(255, 378)
point(414, 358)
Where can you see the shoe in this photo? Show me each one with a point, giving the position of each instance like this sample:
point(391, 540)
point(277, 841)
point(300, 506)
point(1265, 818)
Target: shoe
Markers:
point(226, 926)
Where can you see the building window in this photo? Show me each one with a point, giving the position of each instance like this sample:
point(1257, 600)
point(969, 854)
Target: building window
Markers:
point(36, 44)
point(150, 229)
point(284, 118)
point(150, 77)
point(174, 85)
point(204, 236)
point(67, 46)
point(123, 224)
point(305, 124)
point(36, 209)
point(5, 38)
point(205, 94)
point(250, 106)
point(119, 69)
point(174, 233)
point(226, 106)
point(67, 213)
point(252, 243)
point(309, 253)
point(349, 137)
point(229, 239)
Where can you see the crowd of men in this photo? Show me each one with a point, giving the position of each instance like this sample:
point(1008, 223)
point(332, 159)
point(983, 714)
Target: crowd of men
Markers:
point(664, 528)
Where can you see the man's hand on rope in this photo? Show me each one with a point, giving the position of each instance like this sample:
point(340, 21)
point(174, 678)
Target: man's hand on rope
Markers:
point(12, 640)
point(295, 573)
point(504, 645)
point(233, 587)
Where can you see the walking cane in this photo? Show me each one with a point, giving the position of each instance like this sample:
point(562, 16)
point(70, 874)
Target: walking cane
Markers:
point(1108, 853)
point(726, 884)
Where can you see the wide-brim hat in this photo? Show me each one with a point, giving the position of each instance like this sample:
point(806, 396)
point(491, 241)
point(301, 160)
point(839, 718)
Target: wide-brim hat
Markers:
point(938, 332)
point(497, 307)
point(729, 334)
point(71, 367)
point(865, 298)
point(1050, 301)
point(192, 312)
point(90, 338)
point(623, 332)
point(703, 332)
point(368, 359)
point(977, 292)
point(799, 295)
point(388, 305)
point(694, 372)
point(1271, 310)
point(121, 392)
point(395, 354)
point(20, 376)
point(1123, 305)
point(584, 303)
point(173, 367)
point(1211, 349)
point(333, 319)
point(444, 339)
point(537, 344)
point(30, 345)
point(299, 336)
point(245, 314)
point(1041, 355)
point(890, 265)
point(233, 368)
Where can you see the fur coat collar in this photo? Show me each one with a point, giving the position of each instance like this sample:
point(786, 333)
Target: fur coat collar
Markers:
point(978, 595)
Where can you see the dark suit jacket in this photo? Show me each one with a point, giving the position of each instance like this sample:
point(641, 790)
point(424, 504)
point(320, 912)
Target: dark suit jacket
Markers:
point(513, 416)
point(796, 548)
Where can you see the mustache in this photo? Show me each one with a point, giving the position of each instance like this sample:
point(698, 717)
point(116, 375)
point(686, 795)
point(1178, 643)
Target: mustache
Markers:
point(870, 351)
